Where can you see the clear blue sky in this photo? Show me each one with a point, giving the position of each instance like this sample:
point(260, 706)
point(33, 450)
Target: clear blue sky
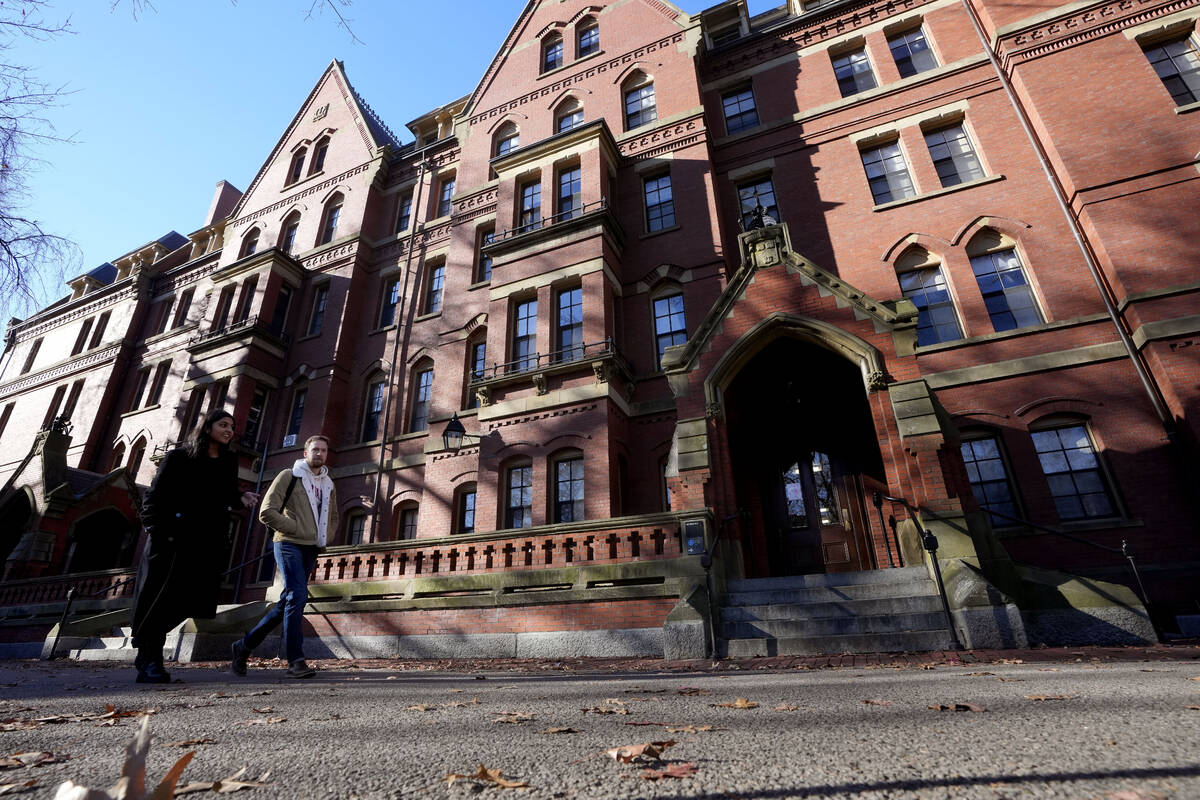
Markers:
point(166, 104)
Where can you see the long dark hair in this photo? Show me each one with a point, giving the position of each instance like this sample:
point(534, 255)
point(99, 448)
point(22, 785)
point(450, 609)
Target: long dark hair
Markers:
point(202, 438)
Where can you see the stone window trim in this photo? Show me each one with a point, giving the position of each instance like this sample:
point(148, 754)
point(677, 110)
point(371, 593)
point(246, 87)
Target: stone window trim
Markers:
point(639, 100)
point(666, 291)
point(739, 108)
point(989, 241)
point(978, 433)
point(420, 399)
point(915, 262)
point(964, 172)
point(553, 52)
point(1067, 422)
point(516, 493)
point(572, 508)
point(466, 496)
point(587, 37)
point(658, 202)
point(889, 176)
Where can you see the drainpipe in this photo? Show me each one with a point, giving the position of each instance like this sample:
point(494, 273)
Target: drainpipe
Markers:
point(1147, 380)
point(400, 306)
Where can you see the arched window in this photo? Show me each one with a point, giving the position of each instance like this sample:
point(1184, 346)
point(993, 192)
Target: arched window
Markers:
point(406, 520)
point(476, 366)
point(297, 168)
point(670, 320)
point(287, 236)
point(118, 455)
point(568, 115)
point(587, 37)
point(249, 243)
point(422, 395)
point(922, 282)
point(135, 458)
point(640, 105)
point(507, 139)
point(552, 52)
point(517, 494)
point(356, 527)
point(1002, 281)
point(1077, 479)
point(566, 488)
point(991, 479)
point(464, 508)
point(320, 150)
point(373, 408)
point(329, 221)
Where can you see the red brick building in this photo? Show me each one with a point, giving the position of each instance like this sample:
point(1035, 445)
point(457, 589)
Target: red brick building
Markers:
point(979, 301)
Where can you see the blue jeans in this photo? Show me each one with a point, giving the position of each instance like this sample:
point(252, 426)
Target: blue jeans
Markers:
point(295, 563)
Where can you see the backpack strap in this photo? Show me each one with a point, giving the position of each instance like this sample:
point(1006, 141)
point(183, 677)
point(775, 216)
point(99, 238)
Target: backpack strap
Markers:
point(288, 493)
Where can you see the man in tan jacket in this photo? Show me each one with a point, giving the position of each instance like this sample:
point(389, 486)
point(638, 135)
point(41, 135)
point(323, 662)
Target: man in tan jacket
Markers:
point(301, 508)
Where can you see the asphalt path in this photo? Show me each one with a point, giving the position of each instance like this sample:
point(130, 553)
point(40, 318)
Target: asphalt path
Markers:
point(1076, 729)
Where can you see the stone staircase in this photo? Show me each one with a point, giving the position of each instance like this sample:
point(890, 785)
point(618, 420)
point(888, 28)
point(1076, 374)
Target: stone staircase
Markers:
point(887, 610)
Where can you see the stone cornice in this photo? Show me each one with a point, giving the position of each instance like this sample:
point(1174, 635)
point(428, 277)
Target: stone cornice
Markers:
point(1080, 25)
point(61, 370)
point(427, 237)
point(664, 140)
point(87, 307)
point(475, 204)
point(188, 275)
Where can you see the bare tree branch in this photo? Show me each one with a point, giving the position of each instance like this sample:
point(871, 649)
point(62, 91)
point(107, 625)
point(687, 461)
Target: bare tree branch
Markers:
point(343, 23)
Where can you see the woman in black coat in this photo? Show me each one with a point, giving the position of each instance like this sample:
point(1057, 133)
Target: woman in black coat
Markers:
point(186, 514)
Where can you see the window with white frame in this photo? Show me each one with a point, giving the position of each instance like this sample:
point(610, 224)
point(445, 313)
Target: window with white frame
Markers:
point(406, 527)
point(404, 212)
point(507, 139)
point(953, 155)
point(518, 500)
point(291, 226)
point(887, 172)
point(660, 202)
point(922, 282)
point(524, 341)
point(1002, 282)
point(391, 302)
point(530, 216)
point(552, 52)
point(356, 527)
point(329, 223)
point(295, 418)
point(911, 52)
point(853, 72)
point(446, 195)
point(570, 193)
point(483, 264)
point(464, 509)
point(476, 364)
point(568, 488)
point(739, 109)
point(588, 37)
point(1073, 471)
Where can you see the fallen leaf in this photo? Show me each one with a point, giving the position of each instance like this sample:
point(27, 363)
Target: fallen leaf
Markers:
point(1192, 708)
point(30, 759)
point(1133, 794)
point(513, 717)
point(878, 702)
point(263, 710)
point(646, 691)
point(265, 721)
point(958, 707)
point(1003, 679)
point(741, 702)
point(927, 666)
point(673, 771)
point(420, 707)
point(787, 707)
point(5, 788)
point(692, 691)
point(474, 701)
point(646, 750)
point(233, 783)
point(605, 710)
point(692, 729)
point(1049, 669)
point(492, 776)
point(188, 743)
point(391, 678)
point(560, 730)
point(978, 674)
point(1194, 678)
point(1041, 697)
point(612, 701)
point(132, 783)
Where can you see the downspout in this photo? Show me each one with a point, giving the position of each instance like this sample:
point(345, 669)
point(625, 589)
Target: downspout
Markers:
point(414, 224)
point(1148, 384)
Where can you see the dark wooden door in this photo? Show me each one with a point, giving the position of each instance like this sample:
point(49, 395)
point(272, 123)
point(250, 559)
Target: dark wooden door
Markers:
point(823, 518)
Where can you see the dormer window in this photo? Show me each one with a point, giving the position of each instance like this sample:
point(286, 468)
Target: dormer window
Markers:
point(318, 161)
point(297, 168)
point(552, 53)
point(724, 36)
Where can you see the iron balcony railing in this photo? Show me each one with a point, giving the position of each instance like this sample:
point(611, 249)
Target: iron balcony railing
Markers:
point(249, 325)
point(545, 222)
point(538, 361)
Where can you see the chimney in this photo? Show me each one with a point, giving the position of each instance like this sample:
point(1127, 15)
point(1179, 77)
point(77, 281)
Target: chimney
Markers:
point(224, 199)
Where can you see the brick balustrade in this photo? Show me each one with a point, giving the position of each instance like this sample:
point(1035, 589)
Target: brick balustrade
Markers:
point(53, 589)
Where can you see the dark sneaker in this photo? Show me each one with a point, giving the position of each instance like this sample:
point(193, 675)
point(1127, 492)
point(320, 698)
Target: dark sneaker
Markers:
point(299, 669)
point(239, 655)
point(153, 672)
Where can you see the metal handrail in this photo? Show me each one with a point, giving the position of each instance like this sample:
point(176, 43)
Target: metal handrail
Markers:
point(249, 323)
point(553, 219)
point(536, 361)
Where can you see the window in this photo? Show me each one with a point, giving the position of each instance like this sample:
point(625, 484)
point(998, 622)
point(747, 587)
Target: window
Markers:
point(329, 226)
point(568, 489)
point(52, 410)
point(952, 154)
point(433, 292)
point(407, 527)
point(249, 243)
point(283, 304)
point(911, 52)
point(723, 36)
point(443, 207)
point(989, 478)
point(853, 71)
point(297, 168)
point(508, 138)
point(191, 415)
point(72, 399)
point(102, 324)
point(525, 335)
point(82, 336)
point(247, 299)
point(1006, 292)
point(404, 216)
point(318, 162)
point(570, 115)
point(660, 203)
point(670, 325)
point(356, 527)
point(224, 301)
point(118, 456)
point(139, 388)
point(135, 458)
point(569, 334)
point(740, 113)
point(391, 300)
point(476, 364)
point(570, 193)
point(160, 380)
point(518, 511)
point(254, 416)
point(320, 298)
point(926, 288)
point(640, 107)
point(1177, 64)
point(483, 269)
point(464, 509)
point(287, 240)
point(373, 409)
point(422, 392)
point(32, 357)
point(1073, 472)
point(218, 394)
point(887, 173)
point(552, 53)
point(588, 37)
point(4, 415)
point(299, 396)
point(755, 193)
point(163, 313)
point(531, 206)
point(181, 309)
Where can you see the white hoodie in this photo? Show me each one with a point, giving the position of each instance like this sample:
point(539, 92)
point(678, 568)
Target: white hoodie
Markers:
point(318, 486)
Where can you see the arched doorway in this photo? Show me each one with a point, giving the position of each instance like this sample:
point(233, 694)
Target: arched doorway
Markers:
point(14, 517)
point(103, 540)
point(805, 457)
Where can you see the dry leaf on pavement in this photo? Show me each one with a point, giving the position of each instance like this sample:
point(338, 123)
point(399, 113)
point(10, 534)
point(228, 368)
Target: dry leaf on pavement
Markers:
point(30, 759)
point(1192, 708)
point(878, 702)
point(492, 776)
point(787, 707)
point(1040, 697)
point(188, 743)
point(977, 674)
point(265, 721)
point(561, 730)
point(741, 702)
point(132, 783)
point(673, 771)
point(513, 717)
point(420, 707)
point(233, 783)
point(958, 707)
point(692, 690)
point(605, 710)
point(646, 750)
point(5, 788)
point(263, 710)
point(692, 729)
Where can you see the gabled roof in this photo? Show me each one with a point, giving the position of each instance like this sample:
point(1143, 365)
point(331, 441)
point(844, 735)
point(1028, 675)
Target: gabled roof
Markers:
point(380, 133)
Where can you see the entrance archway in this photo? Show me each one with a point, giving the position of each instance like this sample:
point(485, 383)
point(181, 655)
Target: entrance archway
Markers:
point(103, 540)
point(14, 517)
point(805, 456)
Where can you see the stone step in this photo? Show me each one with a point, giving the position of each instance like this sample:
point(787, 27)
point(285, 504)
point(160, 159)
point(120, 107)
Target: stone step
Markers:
point(835, 626)
point(831, 594)
point(898, 575)
point(909, 642)
point(845, 608)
